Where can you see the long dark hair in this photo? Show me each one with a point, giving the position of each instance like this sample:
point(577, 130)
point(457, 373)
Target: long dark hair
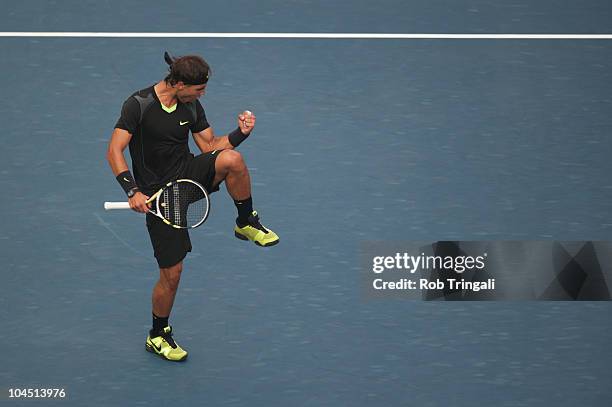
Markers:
point(190, 69)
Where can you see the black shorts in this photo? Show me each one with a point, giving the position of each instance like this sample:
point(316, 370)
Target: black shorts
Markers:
point(170, 245)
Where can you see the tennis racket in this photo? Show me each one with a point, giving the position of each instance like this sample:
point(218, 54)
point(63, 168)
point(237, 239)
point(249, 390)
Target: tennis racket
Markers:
point(182, 204)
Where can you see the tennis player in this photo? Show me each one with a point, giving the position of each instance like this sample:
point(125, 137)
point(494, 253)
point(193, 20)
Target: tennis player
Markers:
point(155, 123)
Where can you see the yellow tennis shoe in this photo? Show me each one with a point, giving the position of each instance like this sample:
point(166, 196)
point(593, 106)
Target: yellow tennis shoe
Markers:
point(256, 232)
point(165, 346)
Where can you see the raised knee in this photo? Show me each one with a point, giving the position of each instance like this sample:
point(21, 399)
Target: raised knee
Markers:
point(232, 160)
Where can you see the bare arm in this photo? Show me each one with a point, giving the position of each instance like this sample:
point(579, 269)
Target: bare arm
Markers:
point(118, 143)
point(207, 141)
point(120, 139)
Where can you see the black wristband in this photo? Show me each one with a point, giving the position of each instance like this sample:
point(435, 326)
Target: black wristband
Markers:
point(236, 137)
point(126, 180)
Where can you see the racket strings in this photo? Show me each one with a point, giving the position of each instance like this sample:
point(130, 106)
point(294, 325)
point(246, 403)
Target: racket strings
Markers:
point(176, 204)
point(164, 205)
point(196, 206)
point(184, 204)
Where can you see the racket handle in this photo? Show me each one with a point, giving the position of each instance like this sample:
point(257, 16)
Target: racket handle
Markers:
point(116, 205)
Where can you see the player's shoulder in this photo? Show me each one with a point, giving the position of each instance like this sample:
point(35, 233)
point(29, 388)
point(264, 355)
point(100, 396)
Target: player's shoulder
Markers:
point(141, 99)
point(147, 93)
point(197, 107)
point(194, 107)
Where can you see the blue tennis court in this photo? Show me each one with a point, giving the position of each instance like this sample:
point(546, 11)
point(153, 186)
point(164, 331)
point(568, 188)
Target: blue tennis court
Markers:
point(356, 140)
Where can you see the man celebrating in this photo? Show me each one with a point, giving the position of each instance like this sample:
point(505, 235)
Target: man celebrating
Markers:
point(155, 123)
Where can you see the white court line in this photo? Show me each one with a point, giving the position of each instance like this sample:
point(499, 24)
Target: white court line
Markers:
point(311, 35)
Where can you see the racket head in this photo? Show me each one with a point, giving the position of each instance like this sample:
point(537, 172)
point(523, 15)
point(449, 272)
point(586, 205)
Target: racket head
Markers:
point(183, 204)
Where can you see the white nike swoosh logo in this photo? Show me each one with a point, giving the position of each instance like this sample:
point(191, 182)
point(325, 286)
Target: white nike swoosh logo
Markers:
point(126, 180)
point(183, 123)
